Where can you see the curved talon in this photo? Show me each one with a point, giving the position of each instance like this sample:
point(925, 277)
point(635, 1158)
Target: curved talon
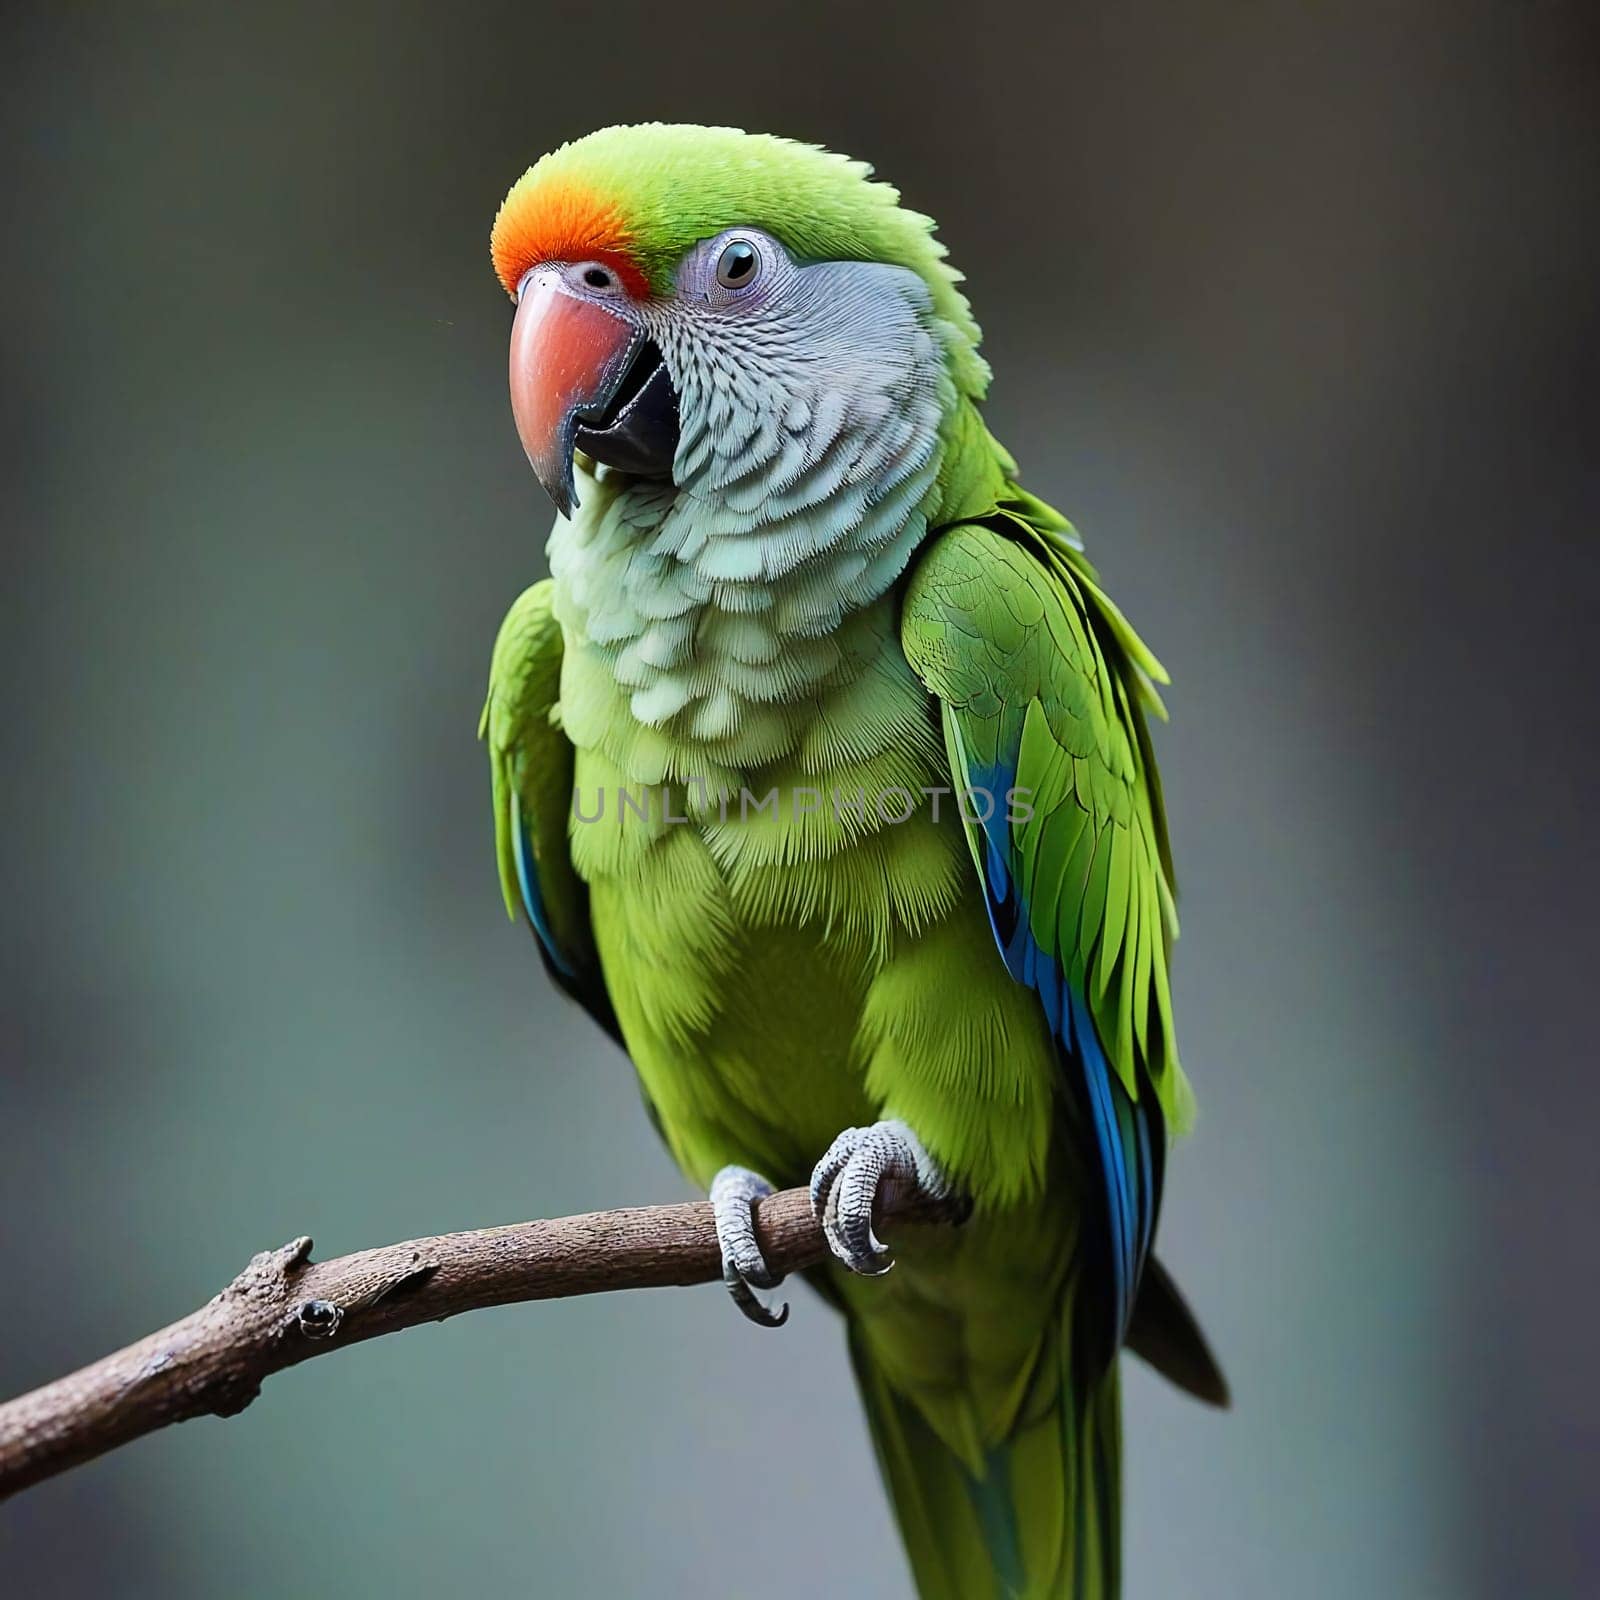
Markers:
point(849, 1218)
point(846, 1184)
point(750, 1304)
point(734, 1192)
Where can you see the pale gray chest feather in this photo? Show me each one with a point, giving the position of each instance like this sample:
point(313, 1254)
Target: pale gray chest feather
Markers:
point(806, 471)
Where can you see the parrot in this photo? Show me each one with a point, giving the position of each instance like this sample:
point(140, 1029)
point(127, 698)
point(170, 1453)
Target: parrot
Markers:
point(822, 774)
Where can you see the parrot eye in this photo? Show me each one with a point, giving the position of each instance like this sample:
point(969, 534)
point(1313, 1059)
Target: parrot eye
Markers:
point(738, 265)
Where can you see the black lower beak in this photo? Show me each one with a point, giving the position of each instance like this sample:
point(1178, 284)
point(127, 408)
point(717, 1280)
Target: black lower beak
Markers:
point(637, 431)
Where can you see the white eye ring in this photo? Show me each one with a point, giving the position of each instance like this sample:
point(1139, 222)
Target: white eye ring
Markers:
point(738, 265)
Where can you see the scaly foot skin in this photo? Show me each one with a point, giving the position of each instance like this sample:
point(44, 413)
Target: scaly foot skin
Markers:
point(734, 1192)
point(863, 1165)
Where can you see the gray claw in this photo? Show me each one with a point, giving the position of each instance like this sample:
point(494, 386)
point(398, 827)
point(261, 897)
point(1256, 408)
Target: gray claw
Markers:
point(734, 1192)
point(846, 1183)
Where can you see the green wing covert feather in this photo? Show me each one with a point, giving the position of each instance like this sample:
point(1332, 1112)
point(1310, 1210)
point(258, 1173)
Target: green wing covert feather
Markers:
point(530, 761)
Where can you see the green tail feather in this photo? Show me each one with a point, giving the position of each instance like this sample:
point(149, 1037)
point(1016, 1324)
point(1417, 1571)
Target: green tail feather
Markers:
point(1042, 1521)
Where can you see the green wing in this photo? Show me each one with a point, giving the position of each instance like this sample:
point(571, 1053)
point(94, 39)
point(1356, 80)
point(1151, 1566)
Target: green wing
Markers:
point(530, 762)
point(1044, 688)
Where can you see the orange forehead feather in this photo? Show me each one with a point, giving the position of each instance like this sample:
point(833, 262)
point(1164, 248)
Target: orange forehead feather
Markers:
point(559, 220)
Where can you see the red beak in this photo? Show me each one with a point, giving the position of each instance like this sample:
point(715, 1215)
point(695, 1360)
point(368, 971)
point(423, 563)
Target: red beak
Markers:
point(568, 356)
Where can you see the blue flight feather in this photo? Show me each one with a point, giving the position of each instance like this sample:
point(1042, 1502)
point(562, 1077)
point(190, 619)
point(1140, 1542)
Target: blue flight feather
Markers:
point(532, 900)
point(1121, 1127)
point(1113, 1161)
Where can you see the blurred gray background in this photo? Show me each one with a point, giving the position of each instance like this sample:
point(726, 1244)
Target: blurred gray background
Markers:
point(1291, 307)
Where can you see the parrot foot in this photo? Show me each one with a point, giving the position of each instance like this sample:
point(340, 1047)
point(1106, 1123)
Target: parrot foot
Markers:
point(863, 1165)
point(734, 1192)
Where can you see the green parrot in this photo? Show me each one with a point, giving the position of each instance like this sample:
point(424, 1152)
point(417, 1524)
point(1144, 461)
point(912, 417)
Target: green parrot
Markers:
point(821, 772)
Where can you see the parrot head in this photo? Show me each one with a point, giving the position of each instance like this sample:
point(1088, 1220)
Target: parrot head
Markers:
point(734, 313)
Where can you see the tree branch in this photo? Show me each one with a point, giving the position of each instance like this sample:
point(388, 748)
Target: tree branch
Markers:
point(284, 1308)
